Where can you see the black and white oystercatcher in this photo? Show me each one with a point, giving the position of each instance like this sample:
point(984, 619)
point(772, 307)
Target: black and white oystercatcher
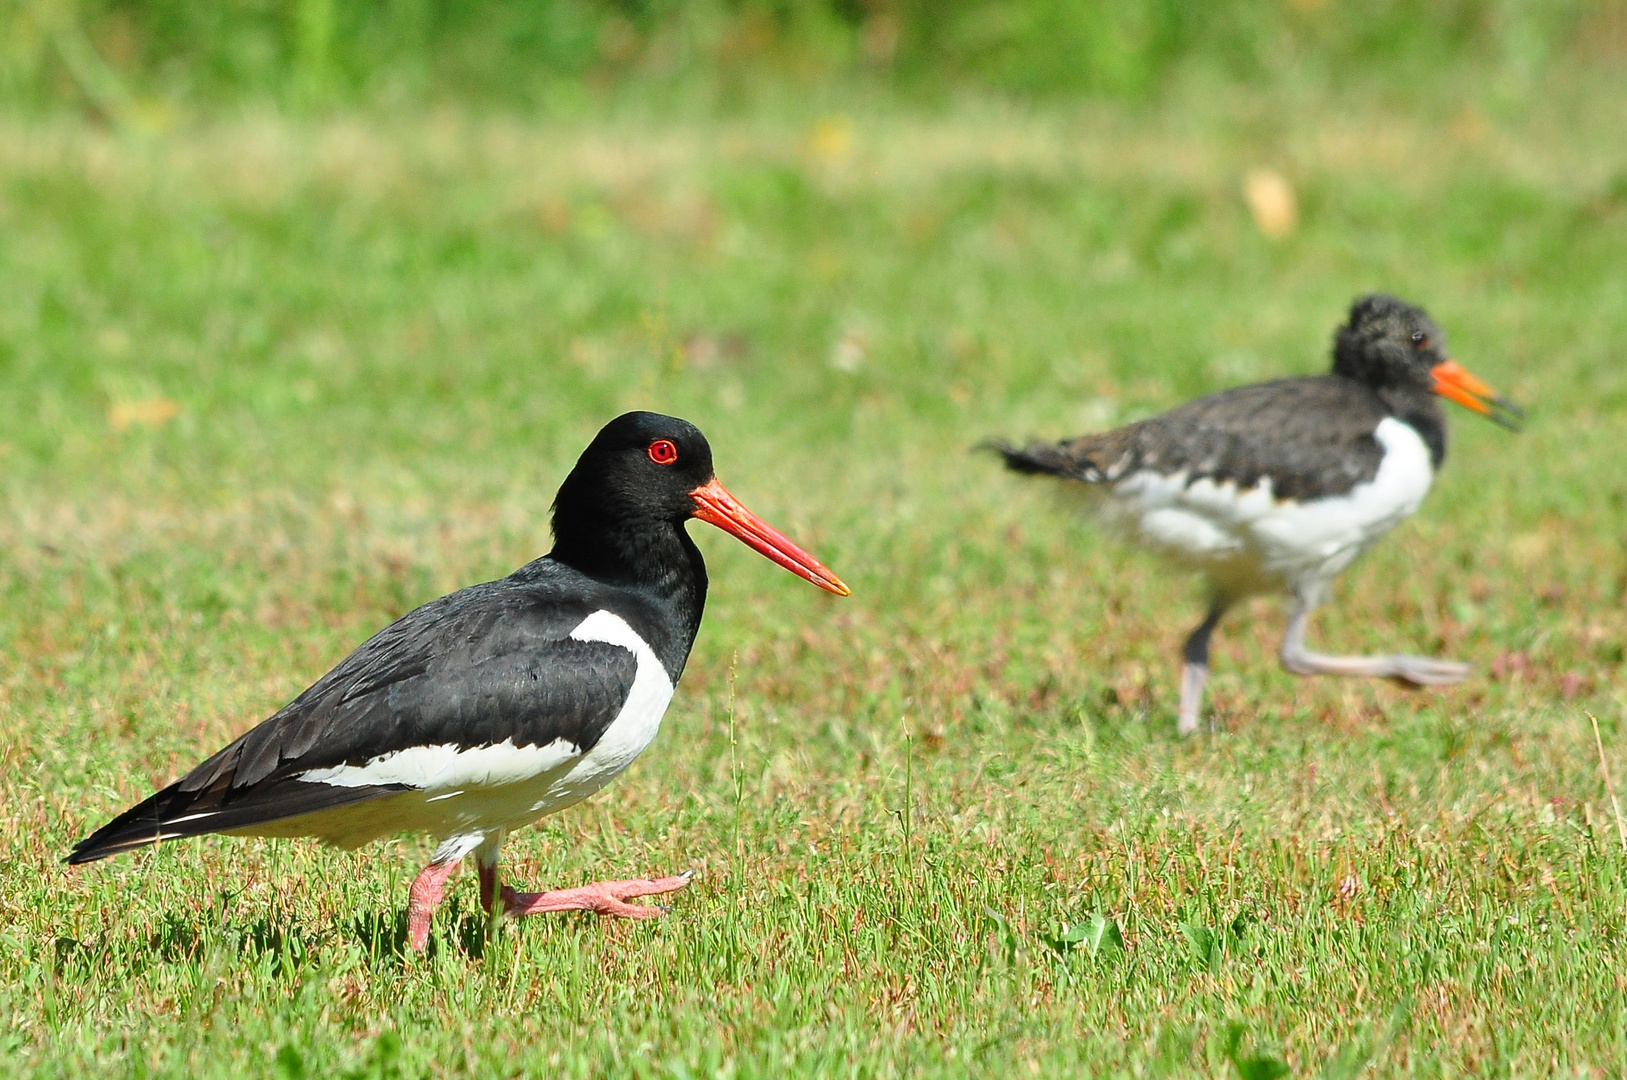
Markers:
point(1280, 485)
point(485, 710)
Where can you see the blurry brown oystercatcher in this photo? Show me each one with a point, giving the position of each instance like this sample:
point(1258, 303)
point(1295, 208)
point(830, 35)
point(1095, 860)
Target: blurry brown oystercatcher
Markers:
point(1280, 485)
point(492, 707)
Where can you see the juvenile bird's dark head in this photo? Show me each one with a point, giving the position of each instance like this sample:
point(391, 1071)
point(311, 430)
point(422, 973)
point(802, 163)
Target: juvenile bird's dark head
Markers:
point(1391, 344)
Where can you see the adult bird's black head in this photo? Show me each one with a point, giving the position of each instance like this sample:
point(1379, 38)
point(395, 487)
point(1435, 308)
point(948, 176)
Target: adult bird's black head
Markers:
point(1389, 344)
point(619, 516)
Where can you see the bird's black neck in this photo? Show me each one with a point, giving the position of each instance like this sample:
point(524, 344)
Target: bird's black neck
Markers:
point(655, 559)
point(1420, 410)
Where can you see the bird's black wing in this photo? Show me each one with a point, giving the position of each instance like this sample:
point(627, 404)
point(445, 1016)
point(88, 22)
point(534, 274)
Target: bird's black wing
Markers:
point(1313, 437)
point(482, 665)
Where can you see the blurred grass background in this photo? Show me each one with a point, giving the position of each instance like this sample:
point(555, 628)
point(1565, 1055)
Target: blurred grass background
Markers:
point(306, 308)
point(562, 55)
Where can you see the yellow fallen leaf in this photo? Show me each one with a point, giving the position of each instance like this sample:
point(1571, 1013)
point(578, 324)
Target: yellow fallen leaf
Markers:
point(1271, 200)
point(831, 139)
point(155, 412)
point(850, 351)
point(1469, 125)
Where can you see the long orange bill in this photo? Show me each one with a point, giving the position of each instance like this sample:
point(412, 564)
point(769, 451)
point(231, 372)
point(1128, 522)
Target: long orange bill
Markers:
point(1453, 381)
point(715, 506)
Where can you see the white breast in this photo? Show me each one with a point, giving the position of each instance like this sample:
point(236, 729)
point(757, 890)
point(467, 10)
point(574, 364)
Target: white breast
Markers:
point(634, 726)
point(1257, 540)
point(1324, 535)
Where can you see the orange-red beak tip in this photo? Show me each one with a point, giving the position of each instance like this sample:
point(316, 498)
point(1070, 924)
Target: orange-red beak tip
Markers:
point(1455, 383)
point(715, 506)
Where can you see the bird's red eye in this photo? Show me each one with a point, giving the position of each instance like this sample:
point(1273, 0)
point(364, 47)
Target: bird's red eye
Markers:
point(662, 452)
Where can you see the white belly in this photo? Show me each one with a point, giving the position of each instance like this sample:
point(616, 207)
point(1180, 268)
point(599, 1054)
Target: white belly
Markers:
point(1250, 541)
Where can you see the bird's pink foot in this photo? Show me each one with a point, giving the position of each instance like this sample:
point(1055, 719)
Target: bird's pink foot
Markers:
point(601, 898)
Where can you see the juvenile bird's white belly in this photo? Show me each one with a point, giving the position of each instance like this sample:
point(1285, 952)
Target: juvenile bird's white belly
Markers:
point(1250, 540)
point(471, 791)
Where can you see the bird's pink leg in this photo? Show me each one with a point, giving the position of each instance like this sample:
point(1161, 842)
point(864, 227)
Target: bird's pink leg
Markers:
point(486, 863)
point(601, 898)
point(488, 886)
point(424, 898)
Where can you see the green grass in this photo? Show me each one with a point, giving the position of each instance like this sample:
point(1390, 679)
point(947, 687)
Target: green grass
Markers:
point(388, 338)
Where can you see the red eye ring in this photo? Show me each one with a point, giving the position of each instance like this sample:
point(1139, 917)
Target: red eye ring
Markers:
point(663, 452)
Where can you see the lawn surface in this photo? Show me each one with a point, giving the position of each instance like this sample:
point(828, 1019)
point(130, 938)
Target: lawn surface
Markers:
point(266, 384)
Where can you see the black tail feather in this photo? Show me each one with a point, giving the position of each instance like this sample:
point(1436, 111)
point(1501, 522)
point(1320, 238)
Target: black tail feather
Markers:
point(172, 814)
point(1048, 459)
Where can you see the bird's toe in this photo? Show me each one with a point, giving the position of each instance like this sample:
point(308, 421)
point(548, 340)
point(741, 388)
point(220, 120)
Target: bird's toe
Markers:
point(1426, 671)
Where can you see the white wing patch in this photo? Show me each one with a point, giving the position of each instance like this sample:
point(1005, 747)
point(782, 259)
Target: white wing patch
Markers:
point(448, 765)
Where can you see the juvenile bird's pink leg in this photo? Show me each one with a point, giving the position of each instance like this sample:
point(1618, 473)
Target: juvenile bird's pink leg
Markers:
point(601, 898)
point(1412, 670)
point(1195, 667)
